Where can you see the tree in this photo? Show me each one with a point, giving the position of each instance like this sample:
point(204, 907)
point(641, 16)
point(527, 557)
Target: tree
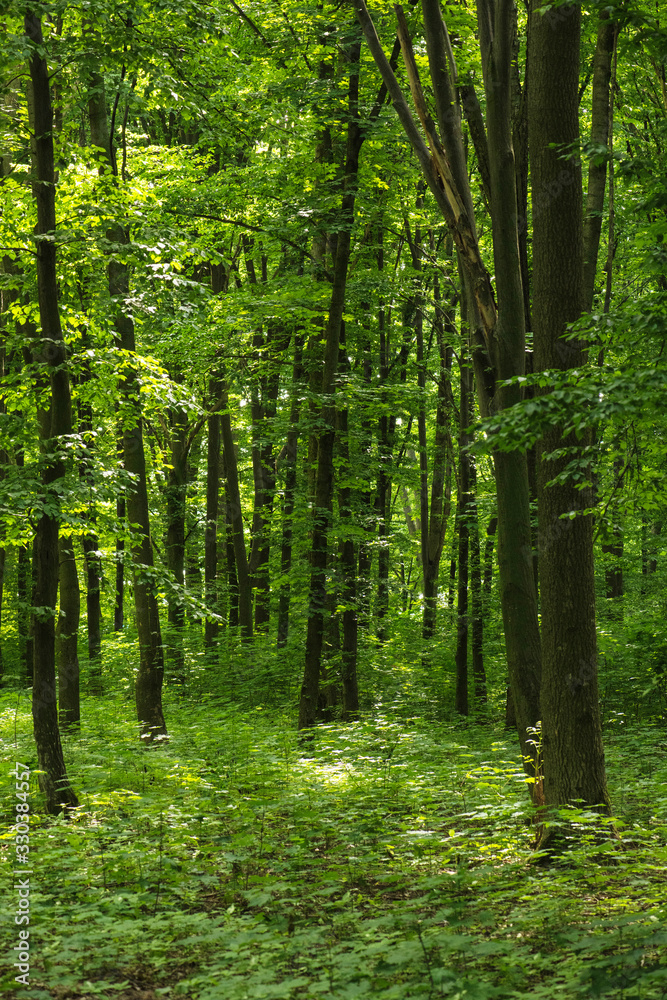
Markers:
point(571, 735)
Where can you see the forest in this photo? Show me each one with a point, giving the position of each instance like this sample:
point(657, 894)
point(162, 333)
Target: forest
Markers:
point(333, 550)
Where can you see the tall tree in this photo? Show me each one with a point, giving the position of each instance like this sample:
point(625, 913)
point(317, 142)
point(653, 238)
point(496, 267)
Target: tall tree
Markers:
point(571, 736)
point(56, 426)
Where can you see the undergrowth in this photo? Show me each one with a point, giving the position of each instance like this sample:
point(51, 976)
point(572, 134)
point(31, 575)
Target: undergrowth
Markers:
point(389, 857)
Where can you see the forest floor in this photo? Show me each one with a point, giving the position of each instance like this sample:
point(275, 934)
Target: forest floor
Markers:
point(391, 857)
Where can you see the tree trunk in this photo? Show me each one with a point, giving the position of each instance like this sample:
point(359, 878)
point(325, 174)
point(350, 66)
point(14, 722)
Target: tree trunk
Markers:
point(571, 735)
point(287, 465)
point(93, 562)
point(325, 471)
point(476, 603)
point(150, 675)
point(463, 527)
point(597, 165)
point(67, 635)
point(348, 561)
point(176, 491)
point(235, 520)
point(499, 340)
point(211, 627)
point(23, 578)
point(53, 780)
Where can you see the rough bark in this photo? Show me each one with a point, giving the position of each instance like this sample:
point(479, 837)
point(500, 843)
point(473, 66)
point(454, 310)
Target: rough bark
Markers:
point(571, 736)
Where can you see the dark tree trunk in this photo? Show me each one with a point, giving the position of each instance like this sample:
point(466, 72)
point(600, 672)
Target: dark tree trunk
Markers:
point(211, 627)
point(235, 521)
point(287, 464)
point(348, 562)
point(463, 527)
point(176, 492)
point(597, 171)
point(53, 780)
point(67, 635)
point(571, 736)
point(93, 562)
point(441, 482)
point(499, 339)
point(23, 577)
point(325, 472)
point(476, 601)
point(150, 675)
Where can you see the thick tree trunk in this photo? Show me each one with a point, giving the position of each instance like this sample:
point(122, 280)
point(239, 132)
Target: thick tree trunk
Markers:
point(67, 635)
point(53, 779)
point(571, 736)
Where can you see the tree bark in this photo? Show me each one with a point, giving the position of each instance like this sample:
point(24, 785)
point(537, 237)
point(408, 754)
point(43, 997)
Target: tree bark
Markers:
point(53, 780)
point(571, 736)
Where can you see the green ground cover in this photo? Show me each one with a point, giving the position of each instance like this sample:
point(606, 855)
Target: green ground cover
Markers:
point(390, 857)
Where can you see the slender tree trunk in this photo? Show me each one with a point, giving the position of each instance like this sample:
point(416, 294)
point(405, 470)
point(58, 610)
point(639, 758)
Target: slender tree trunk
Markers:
point(176, 492)
point(348, 562)
point(235, 520)
point(476, 601)
point(597, 165)
point(441, 482)
point(499, 340)
point(325, 471)
point(288, 466)
point(53, 779)
point(150, 675)
point(119, 583)
point(93, 562)
point(211, 627)
point(23, 577)
point(463, 526)
point(571, 735)
point(67, 635)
